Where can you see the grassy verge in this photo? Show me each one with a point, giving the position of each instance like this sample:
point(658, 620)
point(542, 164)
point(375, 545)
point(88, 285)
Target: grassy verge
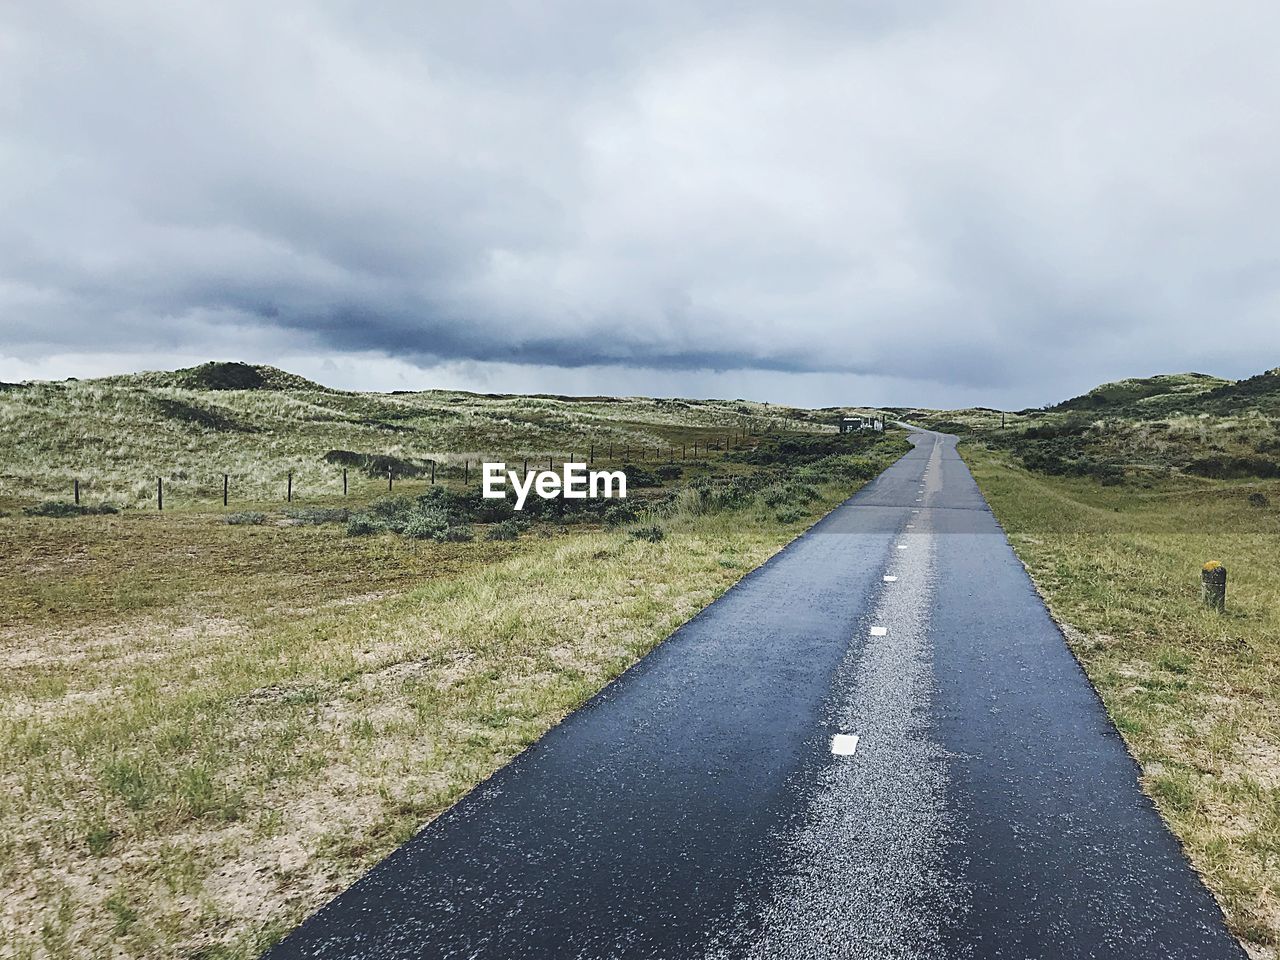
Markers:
point(208, 729)
point(1195, 694)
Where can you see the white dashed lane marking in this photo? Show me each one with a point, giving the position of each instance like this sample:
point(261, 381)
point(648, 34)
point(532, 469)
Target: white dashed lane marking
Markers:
point(879, 631)
point(843, 744)
point(890, 579)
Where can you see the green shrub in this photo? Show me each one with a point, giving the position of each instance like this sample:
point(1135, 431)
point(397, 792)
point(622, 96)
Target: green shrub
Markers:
point(376, 464)
point(506, 530)
point(791, 515)
point(803, 449)
point(363, 525)
point(457, 534)
point(249, 517)
point(652, 533)
point(789, 493)
point(314, 516)
point(619, 514)
point(471, 505)
point(640, 477)
point(60, 508)
point(392, 508)
point(1228, 468)
point(54, 508)
point(426, 524)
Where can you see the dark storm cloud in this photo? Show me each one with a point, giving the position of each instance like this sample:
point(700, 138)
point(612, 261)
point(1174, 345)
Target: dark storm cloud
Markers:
point(1019, 198)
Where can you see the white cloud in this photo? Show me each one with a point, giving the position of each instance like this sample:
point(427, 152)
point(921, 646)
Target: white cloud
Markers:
point(970, 201)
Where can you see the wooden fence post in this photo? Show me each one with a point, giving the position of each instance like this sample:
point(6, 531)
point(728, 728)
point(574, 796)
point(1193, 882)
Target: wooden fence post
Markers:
point(433, 473)
point(466, 472)
point(226, 483)
point(591, 456)
point(388, 479)
point(159, 493)
point(344, 481)
point(76, 486)
point(289, 489)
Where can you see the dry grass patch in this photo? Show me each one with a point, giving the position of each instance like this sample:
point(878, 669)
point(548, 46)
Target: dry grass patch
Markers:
point(208, 730)
point(1195, 694)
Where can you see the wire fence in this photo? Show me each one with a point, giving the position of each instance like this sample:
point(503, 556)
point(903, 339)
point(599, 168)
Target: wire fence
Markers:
point(452, 469)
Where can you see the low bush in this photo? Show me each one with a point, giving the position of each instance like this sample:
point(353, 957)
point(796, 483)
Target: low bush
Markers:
point(314, 516)
point(791, 515)
point(458, 534)
point(60, 508)
point(804, 449)
point(247, 518)
point(428, 524)
point(363, 525)
point(619, 514)
point(1230, 468)
point(377, 464)
point(788, 493)
point(651, 533)
point(506, 530)
point(638, 476)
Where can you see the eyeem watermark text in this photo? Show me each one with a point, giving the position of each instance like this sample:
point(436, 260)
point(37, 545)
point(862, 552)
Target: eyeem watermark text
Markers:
point(576, 482)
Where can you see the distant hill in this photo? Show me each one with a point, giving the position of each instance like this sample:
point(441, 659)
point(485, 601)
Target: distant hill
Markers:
point(1143, 427)
point(1121, 394)
point(222, 375)
point(259, 425)
point(1262, 391)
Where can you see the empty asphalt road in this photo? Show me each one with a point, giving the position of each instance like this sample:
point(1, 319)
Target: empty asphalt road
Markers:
point(714, 802)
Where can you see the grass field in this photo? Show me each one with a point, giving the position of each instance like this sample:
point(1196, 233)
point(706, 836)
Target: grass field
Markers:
point(1195, 693)
point(207, 729)
point(116, 436)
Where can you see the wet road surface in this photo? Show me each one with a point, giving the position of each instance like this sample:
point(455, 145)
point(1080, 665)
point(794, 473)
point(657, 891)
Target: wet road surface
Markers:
point(714, 802)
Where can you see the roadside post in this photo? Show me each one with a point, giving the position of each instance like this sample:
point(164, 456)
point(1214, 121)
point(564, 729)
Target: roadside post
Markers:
point(289, 490)
point(1213, 585)
point(226, 483)
point(76, 484)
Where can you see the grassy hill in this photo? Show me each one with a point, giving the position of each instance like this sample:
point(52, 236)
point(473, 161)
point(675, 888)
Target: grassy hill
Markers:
point(1176, 425)
point(1145, 394)
point(117, 434)
point(219, 375)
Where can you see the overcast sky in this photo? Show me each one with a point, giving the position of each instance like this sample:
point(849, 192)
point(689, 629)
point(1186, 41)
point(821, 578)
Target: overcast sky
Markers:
point(885, 203)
